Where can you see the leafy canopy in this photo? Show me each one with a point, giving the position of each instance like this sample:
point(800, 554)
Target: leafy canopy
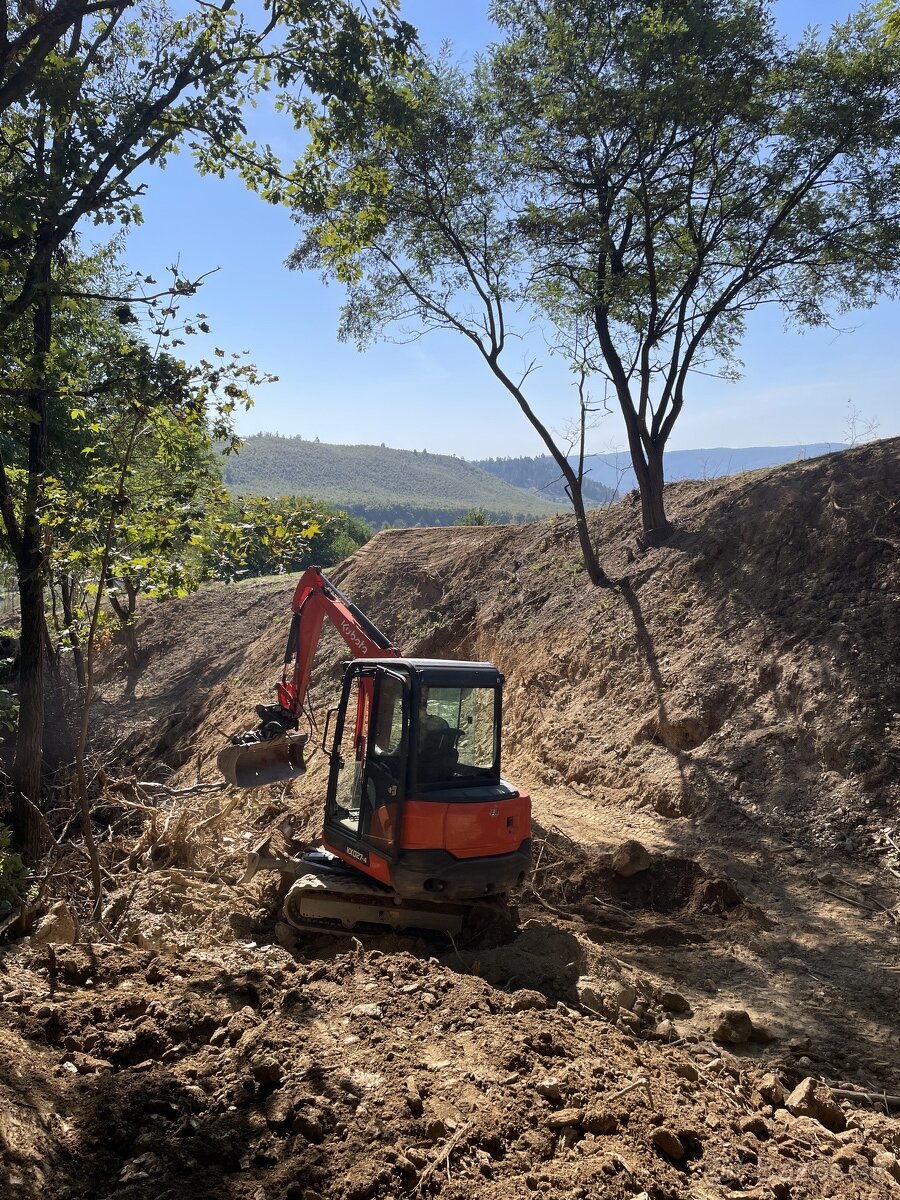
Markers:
point(635, 178)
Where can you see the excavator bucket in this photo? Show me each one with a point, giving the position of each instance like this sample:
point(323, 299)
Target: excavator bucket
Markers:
point(256, 764)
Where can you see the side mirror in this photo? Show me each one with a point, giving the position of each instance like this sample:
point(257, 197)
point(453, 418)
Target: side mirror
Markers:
point(325, 741)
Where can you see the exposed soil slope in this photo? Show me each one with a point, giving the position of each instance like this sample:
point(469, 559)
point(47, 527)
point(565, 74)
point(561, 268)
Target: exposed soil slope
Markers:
point(733, 704)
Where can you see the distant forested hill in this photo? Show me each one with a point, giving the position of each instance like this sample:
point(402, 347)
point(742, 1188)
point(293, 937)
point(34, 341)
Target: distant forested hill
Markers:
point(542, 475)
point(385, 486)
point(611, 474)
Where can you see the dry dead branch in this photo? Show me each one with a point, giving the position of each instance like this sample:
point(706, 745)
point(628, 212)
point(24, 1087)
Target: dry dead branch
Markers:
point(444, 1156)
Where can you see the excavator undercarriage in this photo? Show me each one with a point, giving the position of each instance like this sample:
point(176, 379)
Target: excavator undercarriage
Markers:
point(326, 896)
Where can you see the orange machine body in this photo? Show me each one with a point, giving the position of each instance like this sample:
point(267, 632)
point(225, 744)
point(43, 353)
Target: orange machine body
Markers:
point(415, 798)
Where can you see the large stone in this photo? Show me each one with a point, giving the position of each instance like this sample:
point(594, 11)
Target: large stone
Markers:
point(630, 858)
point(810, 1098)
point(771, 1090)
point(732, 1027)
point(57, 927)
point(590, 994)
point(525, 999)
point(668, 1142)
point(674, 1002)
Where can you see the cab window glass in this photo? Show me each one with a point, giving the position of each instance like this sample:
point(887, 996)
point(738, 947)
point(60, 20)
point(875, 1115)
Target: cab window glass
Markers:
point(456, 732)
point(389, 722)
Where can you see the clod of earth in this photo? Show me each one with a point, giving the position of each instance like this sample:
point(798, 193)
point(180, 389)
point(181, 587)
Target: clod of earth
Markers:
point(57, 927)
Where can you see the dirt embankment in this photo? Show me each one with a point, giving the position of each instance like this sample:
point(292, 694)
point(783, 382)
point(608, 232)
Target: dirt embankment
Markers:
point(733, 704)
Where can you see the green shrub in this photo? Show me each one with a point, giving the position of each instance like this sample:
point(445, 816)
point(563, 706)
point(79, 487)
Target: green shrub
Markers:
point(475, 516)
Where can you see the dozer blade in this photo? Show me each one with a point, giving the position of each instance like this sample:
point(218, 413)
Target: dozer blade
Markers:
point(256, 764)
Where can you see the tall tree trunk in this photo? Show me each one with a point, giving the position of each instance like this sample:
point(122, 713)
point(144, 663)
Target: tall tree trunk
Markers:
point(595, 572)
point(657, 525)
point(646, 450)
point(26, 774)
point(647, 461)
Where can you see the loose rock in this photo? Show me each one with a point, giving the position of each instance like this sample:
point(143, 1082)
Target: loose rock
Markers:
point(732, 1027)
point(674, 1002)
point(810, 1098)
point(564, 1117)
point(599, 1121)
point(771, 1090)
point(414, 1097)
point(888, 1162)
point(367, 1010)
point(267, 1071)
point(668, 1142)
point(625, 997)
point(525, 999)
point(57, 927)
point(756, 1125)
point(630, 858)
point(590, 995)
point(279, 1109)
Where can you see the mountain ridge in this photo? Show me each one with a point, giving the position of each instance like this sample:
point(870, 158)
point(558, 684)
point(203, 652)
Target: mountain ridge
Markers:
point(382, 484)
point(612, 474)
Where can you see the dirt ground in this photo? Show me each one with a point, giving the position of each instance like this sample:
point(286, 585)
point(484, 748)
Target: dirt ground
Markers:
point(733, 704)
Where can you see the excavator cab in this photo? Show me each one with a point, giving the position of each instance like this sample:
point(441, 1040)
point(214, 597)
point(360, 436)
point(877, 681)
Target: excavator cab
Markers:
point(415, 796)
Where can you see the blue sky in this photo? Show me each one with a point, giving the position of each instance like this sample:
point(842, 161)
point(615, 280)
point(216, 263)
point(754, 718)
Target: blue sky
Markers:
point(436, 393)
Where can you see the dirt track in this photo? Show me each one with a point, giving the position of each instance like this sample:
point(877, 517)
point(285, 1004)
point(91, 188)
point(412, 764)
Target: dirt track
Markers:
point(733, 705)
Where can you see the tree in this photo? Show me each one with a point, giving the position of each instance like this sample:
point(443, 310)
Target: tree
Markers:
point(889, 11)
point(94, 98)
point(475, 516)
point(29, 33)
point(418, 223)
point(257, 535)
point(682, 166)
point(640, 176)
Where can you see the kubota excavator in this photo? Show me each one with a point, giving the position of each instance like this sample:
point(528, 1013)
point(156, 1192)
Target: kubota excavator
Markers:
point(420, 828)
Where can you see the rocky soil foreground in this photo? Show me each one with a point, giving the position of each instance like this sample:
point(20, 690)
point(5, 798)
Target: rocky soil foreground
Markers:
point(707, 954)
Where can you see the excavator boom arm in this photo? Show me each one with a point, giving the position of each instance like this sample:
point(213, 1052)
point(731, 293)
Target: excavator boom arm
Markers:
point(274, 752)
point(315, 599)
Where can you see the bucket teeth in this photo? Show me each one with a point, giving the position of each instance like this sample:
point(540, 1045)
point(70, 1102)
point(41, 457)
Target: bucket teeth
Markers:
point(257, 764)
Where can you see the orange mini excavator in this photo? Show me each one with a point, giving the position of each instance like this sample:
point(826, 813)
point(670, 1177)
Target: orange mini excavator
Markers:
point(420, 827)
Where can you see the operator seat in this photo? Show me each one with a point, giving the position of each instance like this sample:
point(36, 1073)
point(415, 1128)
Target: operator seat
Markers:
point(438, 755)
